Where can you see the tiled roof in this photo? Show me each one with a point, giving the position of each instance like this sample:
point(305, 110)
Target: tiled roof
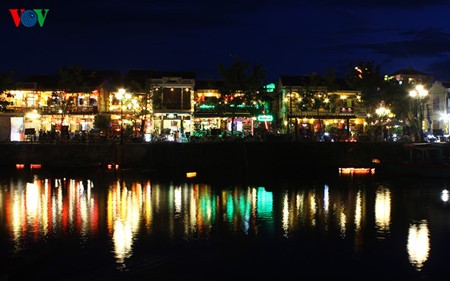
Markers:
point(208, 84)
point(139, 74)
point(109, 78)
point(38, 82)
point(409, 71)
point(300, 80)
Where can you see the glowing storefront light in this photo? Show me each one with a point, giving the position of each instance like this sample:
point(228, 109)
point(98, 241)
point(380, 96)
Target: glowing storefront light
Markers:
point(17, 125)
point(418, 244)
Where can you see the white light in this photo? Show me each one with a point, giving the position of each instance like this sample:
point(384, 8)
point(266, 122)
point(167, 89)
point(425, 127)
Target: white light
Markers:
point(444, 195)
point(418, 92)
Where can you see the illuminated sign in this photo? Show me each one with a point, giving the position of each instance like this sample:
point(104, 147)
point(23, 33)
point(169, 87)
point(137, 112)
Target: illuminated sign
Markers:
point(206, 106)
point(264, 118)
point(270, 88)
point(357, 171)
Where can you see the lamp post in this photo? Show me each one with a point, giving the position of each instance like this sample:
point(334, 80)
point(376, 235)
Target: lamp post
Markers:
point(419, 93)
point(382, 111)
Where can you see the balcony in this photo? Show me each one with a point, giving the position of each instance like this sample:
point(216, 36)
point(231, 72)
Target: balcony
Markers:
point(49, 110)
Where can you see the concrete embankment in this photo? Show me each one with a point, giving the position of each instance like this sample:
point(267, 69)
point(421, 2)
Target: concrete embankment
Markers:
point(260, 158)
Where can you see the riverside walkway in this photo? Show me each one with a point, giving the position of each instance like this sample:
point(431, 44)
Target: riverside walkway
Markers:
point(263, 157)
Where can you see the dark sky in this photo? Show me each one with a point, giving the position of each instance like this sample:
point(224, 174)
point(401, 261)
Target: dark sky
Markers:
point(287, 37)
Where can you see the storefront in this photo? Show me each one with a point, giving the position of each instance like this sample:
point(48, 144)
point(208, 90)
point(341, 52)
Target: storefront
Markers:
point(172, 123)
point(331, 127)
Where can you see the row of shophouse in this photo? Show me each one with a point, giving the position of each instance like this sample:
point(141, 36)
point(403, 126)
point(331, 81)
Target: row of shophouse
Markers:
point(147, 104)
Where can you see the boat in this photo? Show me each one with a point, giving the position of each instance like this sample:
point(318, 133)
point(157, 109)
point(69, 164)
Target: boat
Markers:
point(423, 160)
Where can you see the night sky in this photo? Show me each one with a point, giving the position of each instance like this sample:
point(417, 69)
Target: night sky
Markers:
point(287, 37)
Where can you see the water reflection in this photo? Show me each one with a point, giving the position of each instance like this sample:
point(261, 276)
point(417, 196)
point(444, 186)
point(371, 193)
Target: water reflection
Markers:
point(418, 244)
point(37, 208)
point(132, 211)
point(125, 208)
point(383, 211)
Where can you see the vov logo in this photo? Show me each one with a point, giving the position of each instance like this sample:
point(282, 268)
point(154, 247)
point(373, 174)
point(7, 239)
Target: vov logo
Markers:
point(29, 18)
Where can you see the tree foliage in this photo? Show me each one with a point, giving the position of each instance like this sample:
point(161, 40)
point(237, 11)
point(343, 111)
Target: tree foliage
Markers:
point(73, 79)
point(243, 86)
point(243, 78)
point(102, 122)
point(366, 77)
point(314, 94)
point(151, 97)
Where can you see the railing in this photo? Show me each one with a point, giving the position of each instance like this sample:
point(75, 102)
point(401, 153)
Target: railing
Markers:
point(57, 110)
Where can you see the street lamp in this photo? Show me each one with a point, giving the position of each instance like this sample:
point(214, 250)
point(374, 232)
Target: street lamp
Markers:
point(382, 111)
point(419, 93)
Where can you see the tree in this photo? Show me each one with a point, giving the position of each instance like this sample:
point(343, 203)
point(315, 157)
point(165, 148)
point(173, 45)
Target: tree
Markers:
point(150, 97)
point(365, 77)
point(73, 80)
point(395, 95)
point(103, 123)
point(243, 85)
point(314, 96)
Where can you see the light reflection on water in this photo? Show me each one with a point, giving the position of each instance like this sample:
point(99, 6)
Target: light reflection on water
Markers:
point(132, 211)
point(383, 211)
point(418, 243)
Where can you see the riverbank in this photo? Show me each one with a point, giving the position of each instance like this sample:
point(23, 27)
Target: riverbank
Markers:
point(261, 158)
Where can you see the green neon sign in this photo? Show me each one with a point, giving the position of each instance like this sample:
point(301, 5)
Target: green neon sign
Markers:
point(270, 88)
point(206, 106)
point(264, 118)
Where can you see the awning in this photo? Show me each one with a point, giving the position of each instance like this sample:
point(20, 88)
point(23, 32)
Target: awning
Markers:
point(323, 116)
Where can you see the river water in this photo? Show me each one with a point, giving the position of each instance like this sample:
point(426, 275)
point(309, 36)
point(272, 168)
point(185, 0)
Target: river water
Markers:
point(121, 227)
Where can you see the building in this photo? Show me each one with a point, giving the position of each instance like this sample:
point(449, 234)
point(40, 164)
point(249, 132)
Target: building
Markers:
point(309, 110)
point(426, 103)
point(44, 103)
point(170, 99)
point(439, 110)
